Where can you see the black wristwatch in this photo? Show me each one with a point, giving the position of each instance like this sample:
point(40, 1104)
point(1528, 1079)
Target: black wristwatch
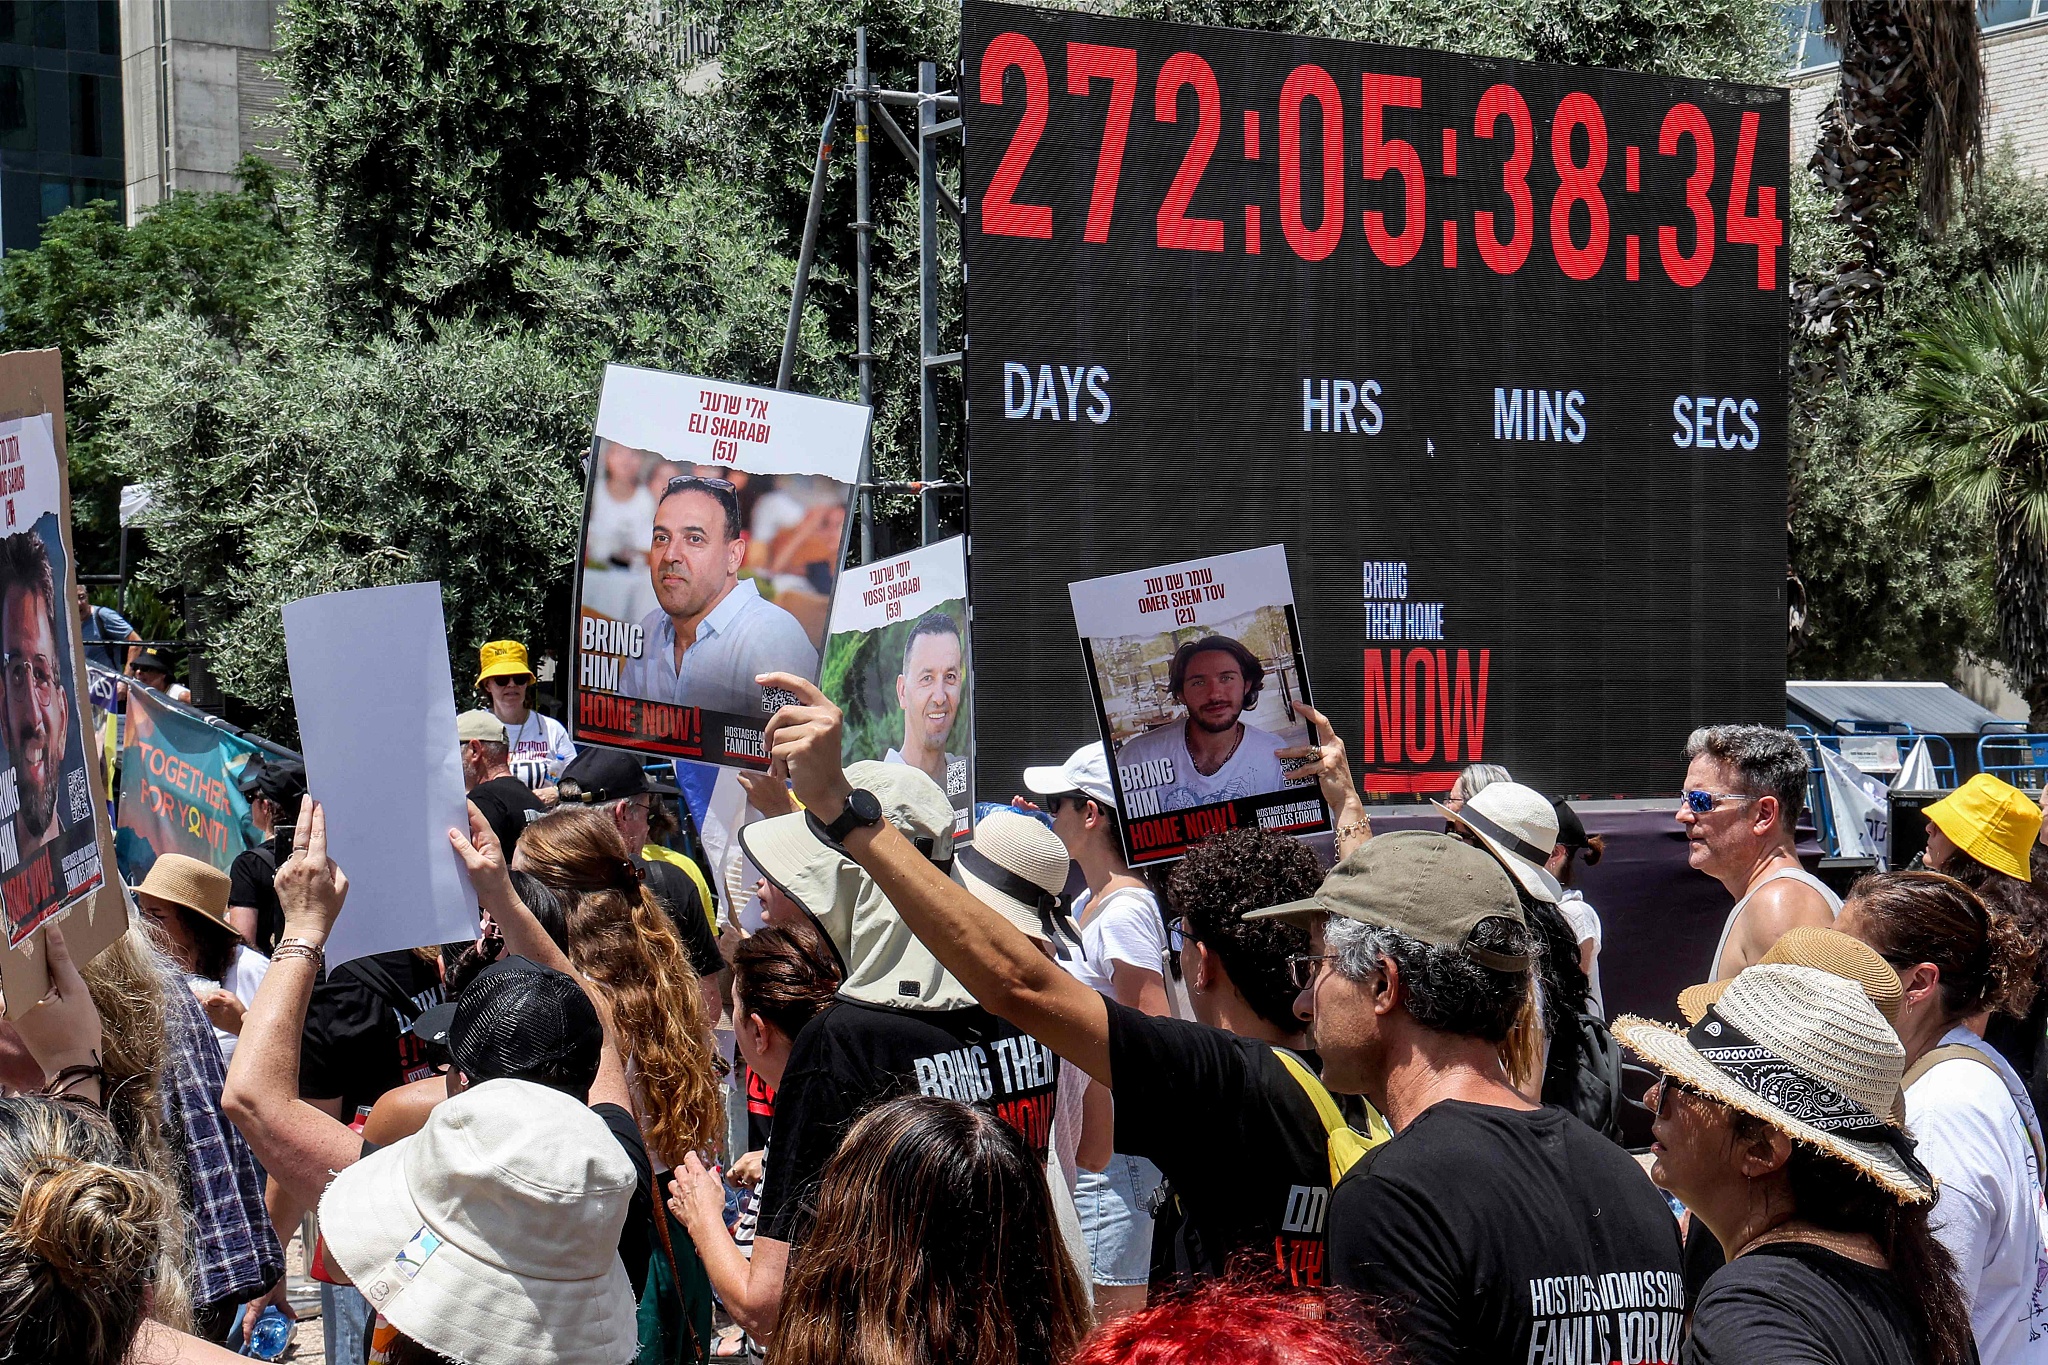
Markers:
point(862, 810)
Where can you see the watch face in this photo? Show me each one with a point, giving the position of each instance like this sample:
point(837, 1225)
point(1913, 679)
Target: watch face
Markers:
point(863, 806)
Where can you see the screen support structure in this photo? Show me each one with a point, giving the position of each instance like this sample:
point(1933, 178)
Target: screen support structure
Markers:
point(938, 116)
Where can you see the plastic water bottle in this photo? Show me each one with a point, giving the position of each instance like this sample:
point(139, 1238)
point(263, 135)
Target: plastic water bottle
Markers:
point(272, 1334)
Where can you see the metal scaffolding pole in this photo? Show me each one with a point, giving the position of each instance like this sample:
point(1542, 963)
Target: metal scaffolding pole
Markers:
point(808, 253)
point(864, 230)
point(927, 297)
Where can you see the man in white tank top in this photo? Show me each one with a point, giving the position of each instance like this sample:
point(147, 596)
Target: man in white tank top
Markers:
point(1744, 788)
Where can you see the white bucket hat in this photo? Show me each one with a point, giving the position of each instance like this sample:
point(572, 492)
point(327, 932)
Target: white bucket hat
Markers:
point(1805, 1051)
point(1087, 772)
point(1018, 868)
point(491, 1235)
point(1518, 825)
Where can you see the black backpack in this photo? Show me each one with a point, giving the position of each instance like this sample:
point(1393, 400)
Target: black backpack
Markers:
point(1587, 1081)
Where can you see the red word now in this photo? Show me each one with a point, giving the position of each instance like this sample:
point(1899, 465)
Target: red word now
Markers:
point(1415, 697)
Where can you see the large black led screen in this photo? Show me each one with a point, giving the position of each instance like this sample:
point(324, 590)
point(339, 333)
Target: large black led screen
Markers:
point(1496, 349)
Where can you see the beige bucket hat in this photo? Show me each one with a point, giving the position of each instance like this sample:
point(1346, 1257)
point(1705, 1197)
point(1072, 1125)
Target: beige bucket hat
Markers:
point(1018, 868)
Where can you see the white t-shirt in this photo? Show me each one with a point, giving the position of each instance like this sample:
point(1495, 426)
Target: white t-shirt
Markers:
point(1585, 923)
point(1169, 770)
point(1127, 929)
point(245, 973)
point(538, 749)
point(1972, 1126)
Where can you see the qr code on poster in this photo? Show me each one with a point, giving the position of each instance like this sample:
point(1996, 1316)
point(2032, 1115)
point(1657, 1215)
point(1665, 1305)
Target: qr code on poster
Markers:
point(81, 797)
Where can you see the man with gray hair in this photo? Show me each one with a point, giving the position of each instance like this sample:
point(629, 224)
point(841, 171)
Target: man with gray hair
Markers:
point(1479, 1220)
point(1744, 788)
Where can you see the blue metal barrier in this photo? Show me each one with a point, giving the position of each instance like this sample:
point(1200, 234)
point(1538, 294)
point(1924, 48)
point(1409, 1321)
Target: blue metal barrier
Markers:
point(2018, 758)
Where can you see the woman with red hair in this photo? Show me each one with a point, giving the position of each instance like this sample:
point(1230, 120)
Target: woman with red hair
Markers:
point(1226, 1322)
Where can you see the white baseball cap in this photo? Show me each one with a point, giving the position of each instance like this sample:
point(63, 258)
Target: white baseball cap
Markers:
point(1086, 772)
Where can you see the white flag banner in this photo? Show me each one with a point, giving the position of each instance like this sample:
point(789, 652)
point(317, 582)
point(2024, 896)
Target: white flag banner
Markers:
point(1862, 808)
point(1916, 774)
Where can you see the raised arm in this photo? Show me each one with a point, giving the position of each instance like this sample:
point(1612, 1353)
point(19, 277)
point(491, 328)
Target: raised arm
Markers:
point(299, 1145)
point(485, 859)
point(1004, 970)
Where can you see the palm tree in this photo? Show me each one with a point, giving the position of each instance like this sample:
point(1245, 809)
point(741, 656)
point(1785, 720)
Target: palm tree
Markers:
point(1907, 118)
point(1974, 429)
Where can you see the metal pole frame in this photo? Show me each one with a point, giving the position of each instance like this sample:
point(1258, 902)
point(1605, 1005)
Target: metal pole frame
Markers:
point(864, 232)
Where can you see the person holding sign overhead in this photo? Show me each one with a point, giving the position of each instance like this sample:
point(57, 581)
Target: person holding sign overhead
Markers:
point(712, 632)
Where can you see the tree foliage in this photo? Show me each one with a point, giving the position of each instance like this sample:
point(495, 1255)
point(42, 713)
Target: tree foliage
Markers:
point(1886, 599)
point(215, 258)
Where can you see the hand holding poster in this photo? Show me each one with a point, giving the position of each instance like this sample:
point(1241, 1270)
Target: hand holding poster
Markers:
point(1196, 669)
point(713, 531)
point(896, 664)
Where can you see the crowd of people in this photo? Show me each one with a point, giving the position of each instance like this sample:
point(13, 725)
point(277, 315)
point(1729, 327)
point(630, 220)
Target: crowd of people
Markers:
point(1008, 1101)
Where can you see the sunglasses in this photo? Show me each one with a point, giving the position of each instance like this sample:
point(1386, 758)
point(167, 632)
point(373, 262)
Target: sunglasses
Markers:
point(503, 680)
point(682, 483)
point(1302, 968)
point(1667, 1084)
point(1078, 800)
point(1701, 802)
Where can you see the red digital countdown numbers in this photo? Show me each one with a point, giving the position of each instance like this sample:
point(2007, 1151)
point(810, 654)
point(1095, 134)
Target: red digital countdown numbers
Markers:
point(1496, 349)
point(1371, 127)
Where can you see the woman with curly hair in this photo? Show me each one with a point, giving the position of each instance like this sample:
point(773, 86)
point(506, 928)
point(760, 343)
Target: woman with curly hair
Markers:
point(1969, 1111)
point(621, 941)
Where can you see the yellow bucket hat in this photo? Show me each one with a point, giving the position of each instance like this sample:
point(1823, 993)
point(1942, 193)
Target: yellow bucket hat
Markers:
point(1994, 822)
point(503, 658)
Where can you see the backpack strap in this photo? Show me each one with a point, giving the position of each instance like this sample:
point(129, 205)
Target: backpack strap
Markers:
point(1954, 1052)
point(1346, 1144)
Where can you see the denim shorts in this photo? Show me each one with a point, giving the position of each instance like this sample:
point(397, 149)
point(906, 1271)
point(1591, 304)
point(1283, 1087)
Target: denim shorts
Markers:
point(1118, 1230)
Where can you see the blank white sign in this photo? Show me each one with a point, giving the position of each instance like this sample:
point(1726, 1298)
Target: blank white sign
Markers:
point(377, 723)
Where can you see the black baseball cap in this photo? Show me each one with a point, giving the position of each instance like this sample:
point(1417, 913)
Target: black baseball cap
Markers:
point(1571, 830)
point(152, 659)
point(282, 782)
point(517, 1020)
point(601, 774)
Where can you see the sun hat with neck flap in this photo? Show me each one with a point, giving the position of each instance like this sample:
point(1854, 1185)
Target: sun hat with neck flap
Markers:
point(884, 962)
point(1805, 1051)
point(1993, 821)
point(491, 1235)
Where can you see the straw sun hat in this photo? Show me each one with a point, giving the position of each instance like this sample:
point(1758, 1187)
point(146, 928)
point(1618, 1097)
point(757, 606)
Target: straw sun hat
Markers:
point(1805, 1051)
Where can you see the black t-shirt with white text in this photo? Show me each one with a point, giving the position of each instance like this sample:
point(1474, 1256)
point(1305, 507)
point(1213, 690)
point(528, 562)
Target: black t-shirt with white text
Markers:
point(1238, 1140)
point(356, 1040)
point(854, 1056)
point(252, 881)
point(1498, 1234)
point(1803, 1304)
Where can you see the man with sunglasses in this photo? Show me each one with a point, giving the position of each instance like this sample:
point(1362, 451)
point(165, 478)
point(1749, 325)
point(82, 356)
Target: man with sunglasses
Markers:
point(712, 632)
point(1744, 788)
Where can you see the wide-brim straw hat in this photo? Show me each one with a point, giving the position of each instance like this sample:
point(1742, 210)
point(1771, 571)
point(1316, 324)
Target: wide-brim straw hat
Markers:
point(1805, 1051)
point(199, 887)
point(491, 1235)
point(1810, 945)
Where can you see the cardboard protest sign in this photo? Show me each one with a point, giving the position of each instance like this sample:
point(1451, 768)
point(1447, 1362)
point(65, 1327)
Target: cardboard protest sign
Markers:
point(897, 665)
point(1196, 668)
point(714, 526)
point(179, 791)
point(376, 708)
point(56, 842)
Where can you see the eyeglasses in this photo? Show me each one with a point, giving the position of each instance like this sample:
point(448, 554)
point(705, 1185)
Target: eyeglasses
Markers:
point(1302, 968)
point(1702, 802)
point(20, 670)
